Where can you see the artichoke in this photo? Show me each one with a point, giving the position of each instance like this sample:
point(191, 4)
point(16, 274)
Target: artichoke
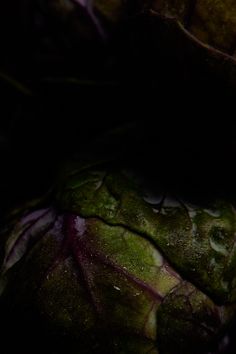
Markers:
point(104, 265)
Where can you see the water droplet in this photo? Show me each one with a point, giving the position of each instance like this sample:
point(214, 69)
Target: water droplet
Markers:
point(156, 211)
point(225, 284)
point(136, 294)
point(192, 214)
point(98, 185)
point(150, 198)
point(213, 263)
point(80, 226)
point(170, 202)
point(216, 246)
point(163, 211)
point(116, 287)
point(194, 229)
point(214, 213)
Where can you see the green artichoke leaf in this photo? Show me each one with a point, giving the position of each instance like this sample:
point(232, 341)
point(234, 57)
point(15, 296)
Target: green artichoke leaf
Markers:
point(199, 243)
point(188, 319)
point(88, 278)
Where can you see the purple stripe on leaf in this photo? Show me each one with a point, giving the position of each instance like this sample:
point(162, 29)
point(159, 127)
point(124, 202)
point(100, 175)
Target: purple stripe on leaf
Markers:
point(38, 223)
point(89, 8)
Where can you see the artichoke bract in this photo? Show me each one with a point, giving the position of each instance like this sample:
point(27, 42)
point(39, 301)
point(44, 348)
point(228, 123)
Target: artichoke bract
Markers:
point(118, 270)
point(201, 32)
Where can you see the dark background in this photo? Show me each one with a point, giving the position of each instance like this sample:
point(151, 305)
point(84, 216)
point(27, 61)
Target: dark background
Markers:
point(60, 93)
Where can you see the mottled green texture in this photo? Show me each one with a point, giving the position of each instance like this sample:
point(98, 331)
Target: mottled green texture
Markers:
point(205, 244)
point(109, 196)
point(214, 22)
point(199, 243)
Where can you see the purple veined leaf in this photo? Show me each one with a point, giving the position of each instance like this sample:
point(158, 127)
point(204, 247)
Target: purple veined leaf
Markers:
point(76, 242)
point(88, 6)
point(102, 264)
point(92, 262)
point(29, 229)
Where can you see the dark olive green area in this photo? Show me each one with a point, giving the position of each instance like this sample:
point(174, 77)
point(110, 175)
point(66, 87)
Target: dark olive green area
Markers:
point(187, 319)
point(211, 21)
point(112, 10)
point(214, 22)
point(173, 8)
point(199, 243)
